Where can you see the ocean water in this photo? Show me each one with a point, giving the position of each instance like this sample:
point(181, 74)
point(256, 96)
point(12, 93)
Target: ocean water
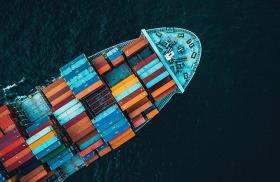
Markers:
point(221, 129)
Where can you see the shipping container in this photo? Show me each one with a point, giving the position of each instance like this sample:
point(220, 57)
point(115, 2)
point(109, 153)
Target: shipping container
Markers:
point(122, 138)
point(103, 149)
point(59, 156)
point(38, 176)
point(51, 155)
point(78, 135)
point(166, 93)
point(151, 114)
point(139, 110)
point(89, 142)
point(42, 140)
point(160, 84)
point(14, 152)
point(163, 88)
point(133, 101)
point(101, 64)
point(91, 147)
point(145, 53)
point(62, 161)
point(45, 145)
point(18, 156)
point(75, 120)
point(65, 107)
point(148, 68)
point(12, 146)
point(89, 155)
point(6, 121)
point(118, 61)
point(117, 75)
point(9, 137)
point(87, 137)
point(70, 114)
point(39, 135)
point(37, 124)
point(151, 70)
point(138, 120)
point(94, 158)
point(62, 103)
point(19, 162)
point(48, 123)
point(53, 85)
point(135, 46)
point(61, 98)
point(85, 122)
point(131, 96)
point(153, 75)
point(59, 94)
point(145, 62)
point(115, 130)
point(55, 89)
point(48, 150)
point(89, 89)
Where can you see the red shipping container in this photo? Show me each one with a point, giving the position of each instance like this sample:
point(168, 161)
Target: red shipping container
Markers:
point(6, 121)
point(140, 109)
point(12, 146)
point(154, 74)
point(87, 137)
point(75, 120)
point(145, 62)
point(119, 60)
point(17, 157)
point(160, 84)
point(5, 111)
point(131, 96)
point(9, 138)
point(104, 151)
point(20, 162)
point(59, 93)
point(53, 85)
point(92, 147)
point(137, 121)
point(48, 123)
point(14, 152)
point(3, 108)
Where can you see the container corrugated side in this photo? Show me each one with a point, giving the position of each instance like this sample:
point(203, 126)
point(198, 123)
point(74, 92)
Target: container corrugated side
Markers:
point(135, 46)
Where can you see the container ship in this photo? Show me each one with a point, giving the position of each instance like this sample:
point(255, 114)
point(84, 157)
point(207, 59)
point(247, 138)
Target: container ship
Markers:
point(95, 105)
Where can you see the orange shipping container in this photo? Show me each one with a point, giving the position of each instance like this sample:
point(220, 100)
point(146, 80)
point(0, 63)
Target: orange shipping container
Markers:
point(104, 151)
point(166, 93)
point(77, 126)
point(104, 69)
point(61, 98)
point(163, 88)
point(83, 131)
point(87, 137)
point(94, 158)
point(116, 143)
point(38, 176)
point(134, 100)
point(140, 109)
point(42, 140)
point(53, 85)
point(56, 89)
point(151, 114)
point(89, 89)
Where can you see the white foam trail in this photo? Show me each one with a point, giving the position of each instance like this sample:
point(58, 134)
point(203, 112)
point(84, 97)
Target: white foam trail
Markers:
point(7, 88)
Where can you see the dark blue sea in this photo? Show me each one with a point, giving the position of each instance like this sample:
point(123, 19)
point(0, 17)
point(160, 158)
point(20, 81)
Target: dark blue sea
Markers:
point(221, 129)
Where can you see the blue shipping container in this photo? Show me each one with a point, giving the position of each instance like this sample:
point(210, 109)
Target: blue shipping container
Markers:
point(89, 142)
point(157, 79)
point(39, 135)
point(62, 161)
point(48, 150)
point(45, 145)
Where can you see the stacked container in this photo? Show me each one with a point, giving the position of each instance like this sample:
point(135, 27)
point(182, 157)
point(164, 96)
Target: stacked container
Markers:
point(111, 123)
point(101, 64)
point(58, 93)
point(48, 147)
point(81, 77)
point(35, 175)
point(115, 57)
point(155, 77)
point(39, 125)
point(99, 100)
point(13, 148)
point(135, 46)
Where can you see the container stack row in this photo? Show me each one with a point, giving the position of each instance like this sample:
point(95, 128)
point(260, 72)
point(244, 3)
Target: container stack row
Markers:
point(81, 77)
point(99, 100)
point(72, 165)
point(111, 123)
point(156, 78)
point(115, 57)
point(136, 46)
point(101, 64)
point(14, 150)
point(58, 93)
point(47, 146)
